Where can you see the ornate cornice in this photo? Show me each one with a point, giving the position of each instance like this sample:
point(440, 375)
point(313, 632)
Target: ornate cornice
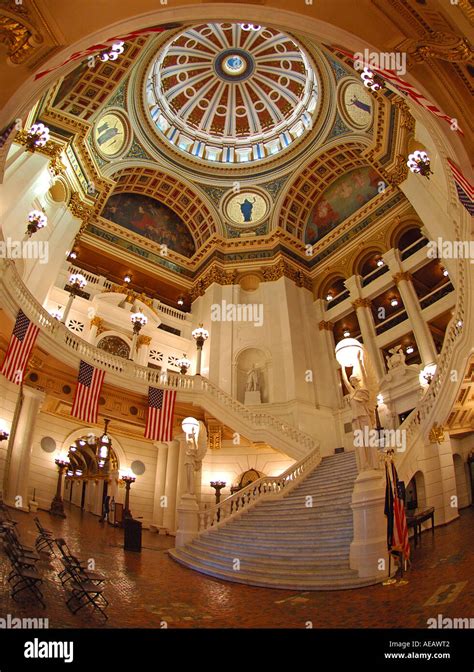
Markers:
point(83, 211)
point(442, 45)
point(17, 32)
point(436, 434)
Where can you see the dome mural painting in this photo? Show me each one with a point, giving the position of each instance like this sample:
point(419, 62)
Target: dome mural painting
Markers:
point(151, 219)
point(341, 199)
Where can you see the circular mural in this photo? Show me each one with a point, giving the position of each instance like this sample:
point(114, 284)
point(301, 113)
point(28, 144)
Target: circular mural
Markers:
point(111, 134)
point(356, 105)
point(246, 208)
point(223, 93)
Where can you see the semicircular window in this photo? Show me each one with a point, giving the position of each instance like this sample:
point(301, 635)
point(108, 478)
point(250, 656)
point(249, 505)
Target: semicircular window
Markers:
point(115, 346)
point(151, 219)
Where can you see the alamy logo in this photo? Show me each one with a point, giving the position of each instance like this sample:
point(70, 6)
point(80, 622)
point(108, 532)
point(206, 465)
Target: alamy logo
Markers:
point(381, 438)
point(25, 249)
point(237, 312)
point(450, 249)
point(382, 60)
point(42, 649)
point(10, 623)
point(446, 623)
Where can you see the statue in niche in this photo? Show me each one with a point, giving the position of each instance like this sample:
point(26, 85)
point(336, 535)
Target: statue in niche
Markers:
point(252, 380)
point(396, 358)
point(195, 451)
point(362, 402)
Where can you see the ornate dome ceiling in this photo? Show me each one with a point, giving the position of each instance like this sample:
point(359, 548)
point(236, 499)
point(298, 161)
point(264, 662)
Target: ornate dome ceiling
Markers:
point(232, 93)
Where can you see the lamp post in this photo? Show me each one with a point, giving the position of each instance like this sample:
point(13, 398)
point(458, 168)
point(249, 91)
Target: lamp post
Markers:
point(76, 282)
point(57, 505)
point(218, 486)
point(138, 321)
point(200, 335)
point(104, 446)
point(184, 364)
point(128, 479)
point(347, 351)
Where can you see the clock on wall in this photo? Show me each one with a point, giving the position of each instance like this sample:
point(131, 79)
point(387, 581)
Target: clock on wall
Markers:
point(111, 134)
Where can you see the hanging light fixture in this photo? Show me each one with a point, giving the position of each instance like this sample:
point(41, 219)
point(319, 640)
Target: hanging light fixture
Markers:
point(184, 363)
point(329, 297)
point(346, 333)
point(115, 51)
point(36, 220)
point(380, 262)
point(409, 349)
point(372, 80)
point(37, 136)
point(104, 445)
point(127, 279)
point(180, 301)
point(138, 320)
point(419, 163)
point(394, 303)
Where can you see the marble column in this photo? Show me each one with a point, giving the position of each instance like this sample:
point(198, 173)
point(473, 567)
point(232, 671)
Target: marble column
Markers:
point(171, 484)
point(421, 331)
point(160, 485)
point(366, 323)
point(143, 345)
point(17, 472)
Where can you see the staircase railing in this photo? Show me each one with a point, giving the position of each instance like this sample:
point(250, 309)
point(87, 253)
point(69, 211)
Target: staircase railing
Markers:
point(14, 287)
point(266, 487)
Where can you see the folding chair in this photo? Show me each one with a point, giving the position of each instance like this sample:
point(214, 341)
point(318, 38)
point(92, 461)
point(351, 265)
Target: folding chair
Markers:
point(23, 577)
point(12, 536)
point(44, 540)
point(71, 563)
point(85, 592)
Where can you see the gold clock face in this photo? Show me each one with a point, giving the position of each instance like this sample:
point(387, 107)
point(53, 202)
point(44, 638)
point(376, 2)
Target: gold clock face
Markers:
point(110, 134)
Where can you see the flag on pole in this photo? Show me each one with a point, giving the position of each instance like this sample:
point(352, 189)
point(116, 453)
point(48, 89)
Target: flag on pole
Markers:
point(464, 188)
point(397, 528)
point(159, 423)
point(406, 88)
point(86, 400)
point(19, 349)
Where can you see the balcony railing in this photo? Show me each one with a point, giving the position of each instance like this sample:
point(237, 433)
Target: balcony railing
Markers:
point(414, 247)
point(436, 295)
point(373, 275)
point(391, 321)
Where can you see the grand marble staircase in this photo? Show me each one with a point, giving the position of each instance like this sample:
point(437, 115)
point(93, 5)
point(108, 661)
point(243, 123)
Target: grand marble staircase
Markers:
point(284, 543)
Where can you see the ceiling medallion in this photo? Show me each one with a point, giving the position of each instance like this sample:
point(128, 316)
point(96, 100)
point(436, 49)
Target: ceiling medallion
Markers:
point(226, 94)
point(247, 208)
point(111, 134)
point(355, 103)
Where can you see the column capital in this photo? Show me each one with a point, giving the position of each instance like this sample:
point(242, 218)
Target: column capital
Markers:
point(33, 393)
point(143, 340)
point(96, 321)
point(362, 303)
point(329, 326)
point(402, 275)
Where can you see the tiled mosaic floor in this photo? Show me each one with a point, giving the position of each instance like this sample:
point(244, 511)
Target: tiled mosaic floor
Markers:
point(149, 590)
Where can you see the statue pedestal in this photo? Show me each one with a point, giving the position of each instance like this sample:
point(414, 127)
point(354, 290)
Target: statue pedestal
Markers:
point(252, 398)
point(368, 552)
point(188, 520)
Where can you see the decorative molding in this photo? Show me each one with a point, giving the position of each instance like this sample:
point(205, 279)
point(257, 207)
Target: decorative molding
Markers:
point(83, 211)
point(96, 321)
point(436, 434)
point(324, 325)
point(402, 275)
point(18, 33)
point(442, 45)
point(214, 436)
point(143, 340)
point(362, 303)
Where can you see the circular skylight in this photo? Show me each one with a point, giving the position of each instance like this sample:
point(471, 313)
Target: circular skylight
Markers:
point(231, 93)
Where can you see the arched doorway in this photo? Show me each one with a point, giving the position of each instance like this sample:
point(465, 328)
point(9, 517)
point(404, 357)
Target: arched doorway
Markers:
point(93, 464)
point(461, 475)
point(415, 496)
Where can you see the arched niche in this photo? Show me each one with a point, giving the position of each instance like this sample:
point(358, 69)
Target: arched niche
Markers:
point(244, 361)
point(416, 493)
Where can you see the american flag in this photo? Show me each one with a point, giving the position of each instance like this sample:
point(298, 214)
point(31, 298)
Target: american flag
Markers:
point(159, 422)
point(464, 188)
point(397, 528)
point(408, 89)
point(19, 349)
point(86, 399)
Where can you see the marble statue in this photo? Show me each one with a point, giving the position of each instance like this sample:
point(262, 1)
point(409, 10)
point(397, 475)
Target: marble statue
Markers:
point(363, 417)
point(396, 359)
point(252, 380)
point(194, 454)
